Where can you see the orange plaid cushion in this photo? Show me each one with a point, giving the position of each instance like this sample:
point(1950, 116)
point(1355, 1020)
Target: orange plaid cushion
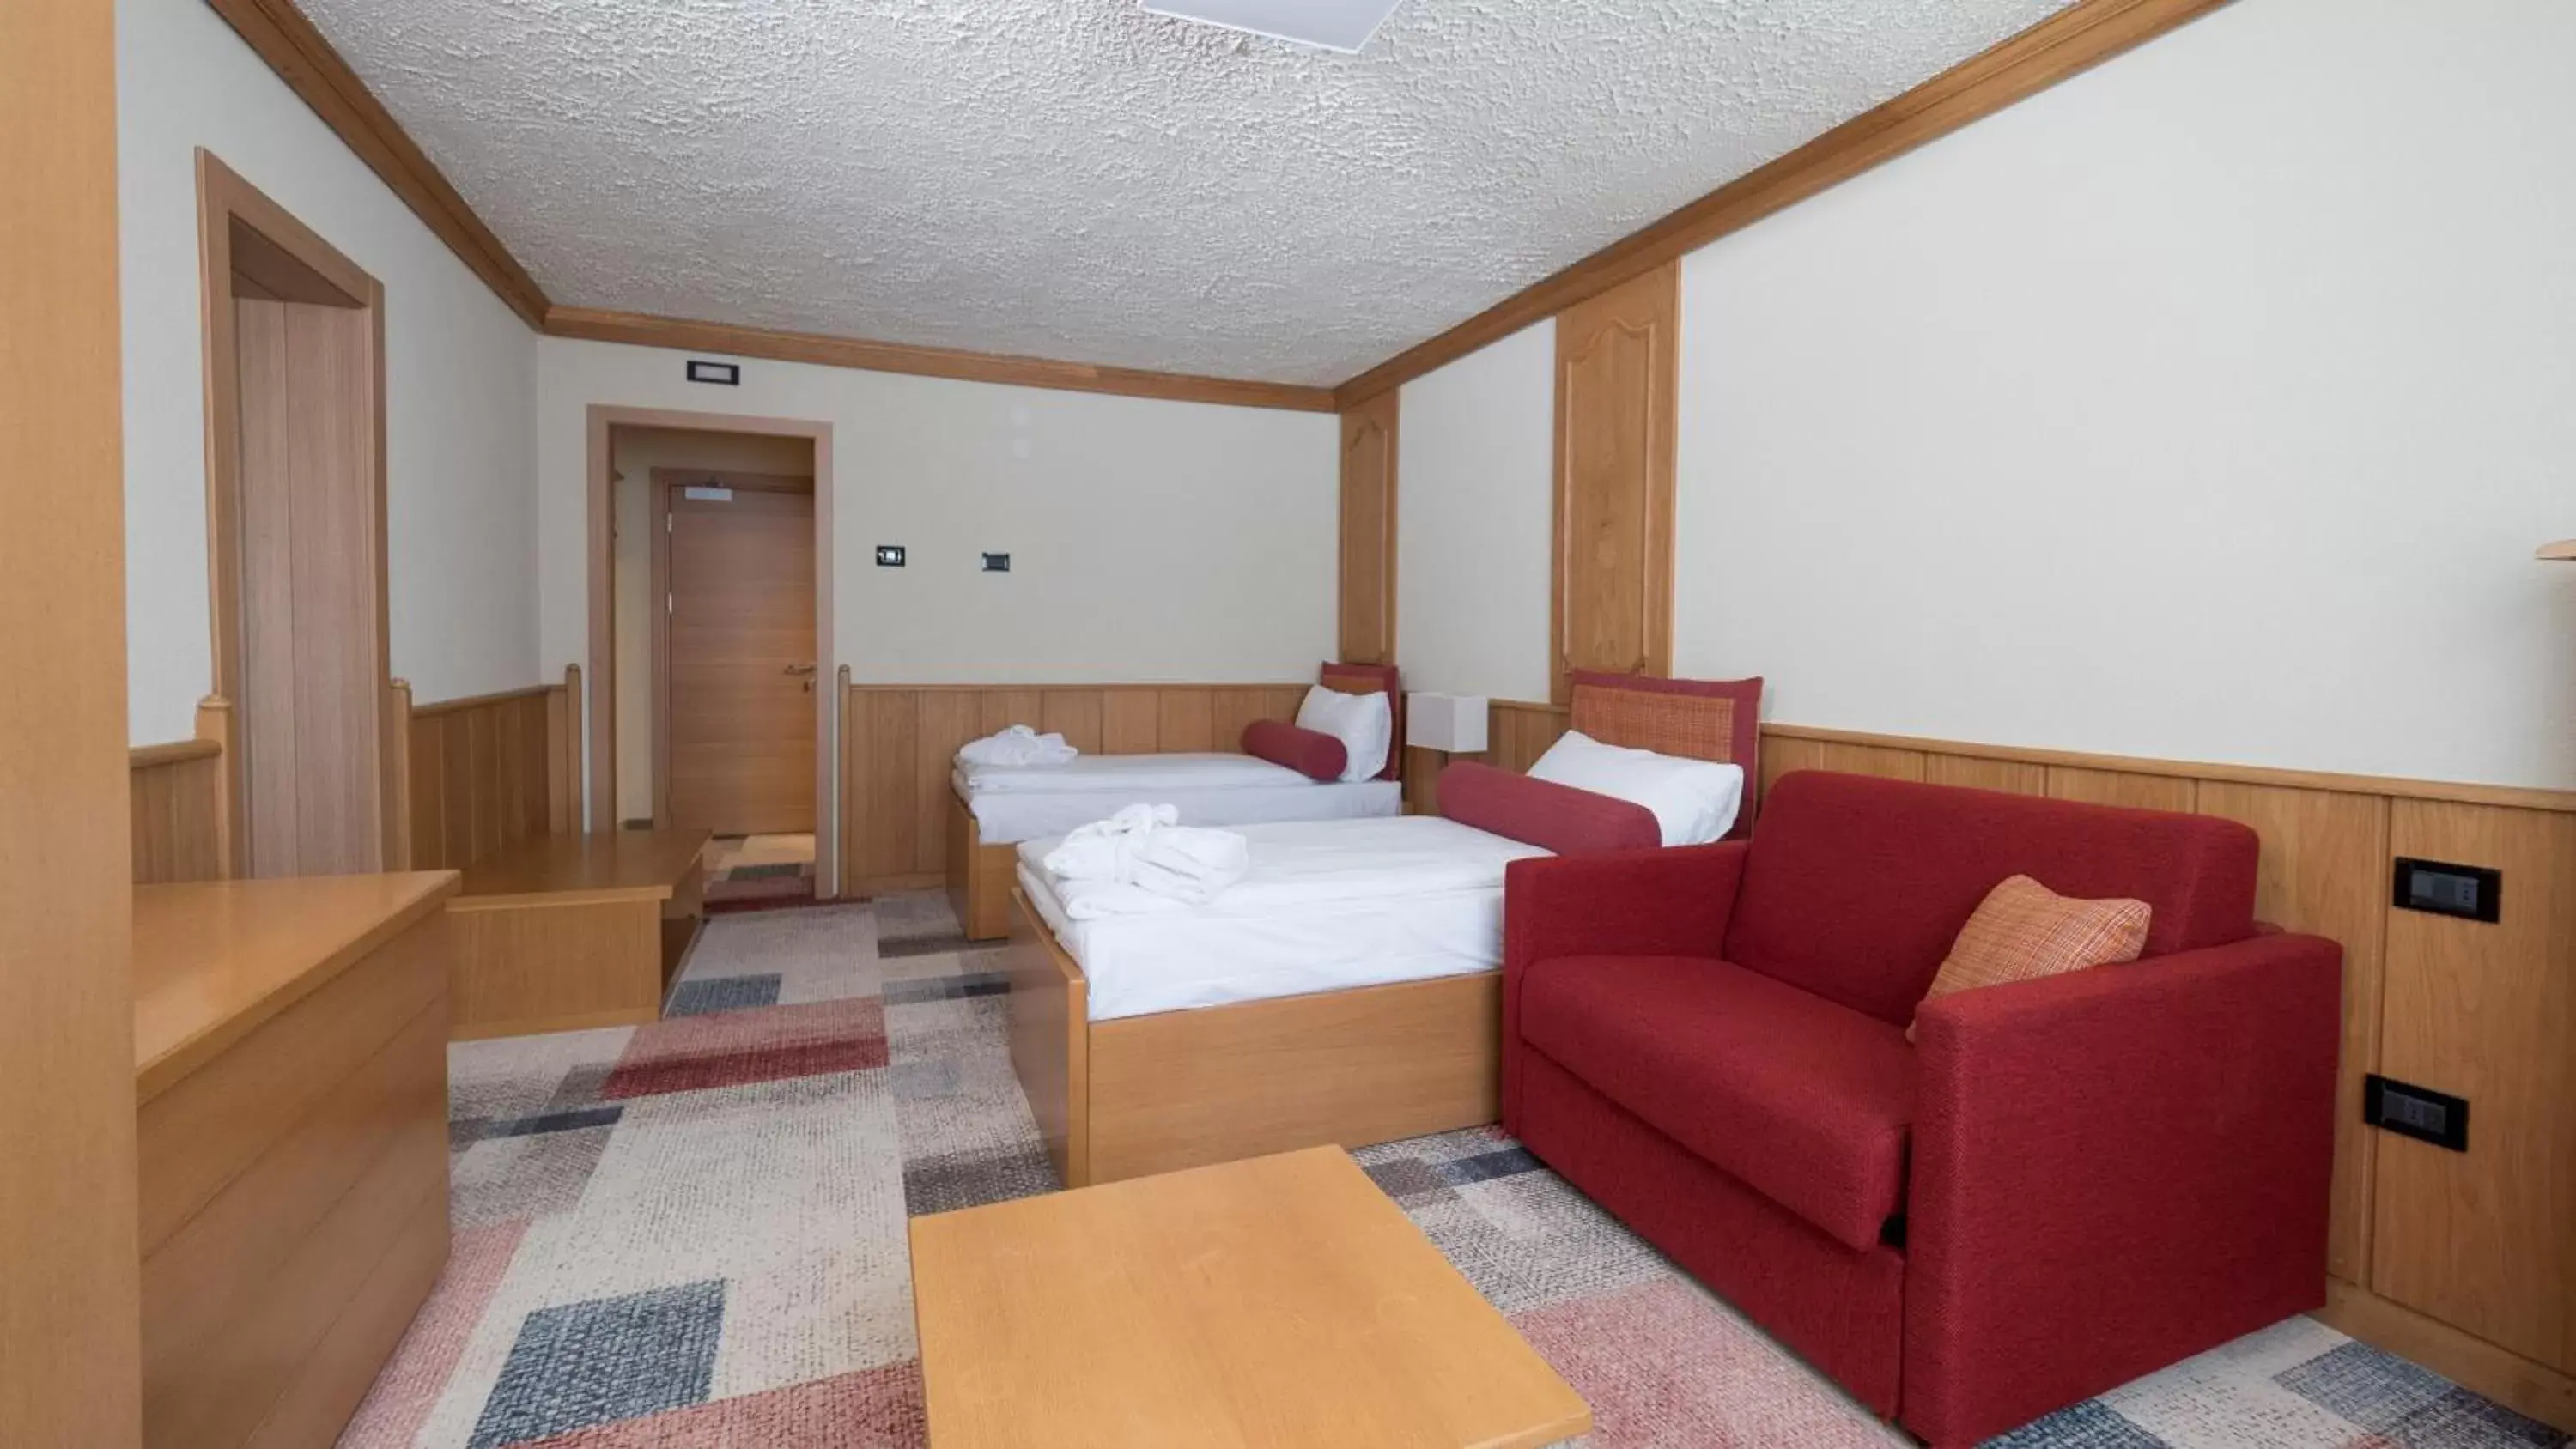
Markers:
point(2023, 931)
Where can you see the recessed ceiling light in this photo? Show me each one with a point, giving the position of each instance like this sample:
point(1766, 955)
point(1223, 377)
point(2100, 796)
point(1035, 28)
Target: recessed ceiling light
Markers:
point(1343, 25)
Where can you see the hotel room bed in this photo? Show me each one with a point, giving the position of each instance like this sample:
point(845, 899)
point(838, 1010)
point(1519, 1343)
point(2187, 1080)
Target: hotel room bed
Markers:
point(1348, 991)
point(992, 810)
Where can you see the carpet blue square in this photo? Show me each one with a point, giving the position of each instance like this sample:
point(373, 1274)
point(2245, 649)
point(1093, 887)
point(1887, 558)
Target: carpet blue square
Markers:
point(610, 1358)
point(723, 993)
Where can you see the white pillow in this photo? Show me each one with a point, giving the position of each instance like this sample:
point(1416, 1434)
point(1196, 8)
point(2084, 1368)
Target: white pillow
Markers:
point(1364, 723)
point(1694, 801)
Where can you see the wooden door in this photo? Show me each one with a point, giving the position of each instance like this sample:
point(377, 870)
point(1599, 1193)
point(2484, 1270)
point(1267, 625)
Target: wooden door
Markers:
point(738, 696)
point(312, 671)
point(1616, 363)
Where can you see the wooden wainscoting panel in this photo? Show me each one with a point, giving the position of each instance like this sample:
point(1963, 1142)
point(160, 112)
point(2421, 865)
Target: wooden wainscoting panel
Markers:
point(2324, 869)
point(1074, 714)
point(946, 719)
point(487, 772)
point(1188, 722)
point(175, 796)
point(2517, 1383)
point(2485, 1239)
point(1616, 366)
point(1784, 756)
point(1131, 722)
point(1517, 732)
point(889, 773)
point(1368, 514)
point(1975, 772)
point(2120, 787)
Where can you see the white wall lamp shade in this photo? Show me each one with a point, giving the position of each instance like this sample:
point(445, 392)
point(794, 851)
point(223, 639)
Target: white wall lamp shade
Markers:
point(1454, 723)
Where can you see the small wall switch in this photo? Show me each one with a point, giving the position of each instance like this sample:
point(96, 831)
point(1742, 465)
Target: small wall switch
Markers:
point(889, 555)
point(997, 563)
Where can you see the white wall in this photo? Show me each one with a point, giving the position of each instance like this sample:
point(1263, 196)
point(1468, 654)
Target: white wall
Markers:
point(1148, 540)
point(633, 455)
point(459, 374)
point(1474, 474)
point(2208, 406)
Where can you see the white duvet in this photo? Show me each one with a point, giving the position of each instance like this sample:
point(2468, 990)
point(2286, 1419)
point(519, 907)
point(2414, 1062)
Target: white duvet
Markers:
point(1310, 862)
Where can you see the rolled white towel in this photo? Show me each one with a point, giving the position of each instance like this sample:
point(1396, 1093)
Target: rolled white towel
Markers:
point(1105, 850)
point(1189, 865)
point(1017, 745)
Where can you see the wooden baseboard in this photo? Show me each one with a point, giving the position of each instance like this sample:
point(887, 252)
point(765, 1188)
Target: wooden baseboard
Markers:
point(2527, 1388)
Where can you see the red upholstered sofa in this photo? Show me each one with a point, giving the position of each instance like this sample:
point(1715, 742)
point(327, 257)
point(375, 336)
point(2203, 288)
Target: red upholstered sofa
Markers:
point(2064, 1184)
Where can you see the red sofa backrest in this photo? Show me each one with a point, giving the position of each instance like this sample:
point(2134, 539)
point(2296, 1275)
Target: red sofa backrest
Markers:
point(1855, 886)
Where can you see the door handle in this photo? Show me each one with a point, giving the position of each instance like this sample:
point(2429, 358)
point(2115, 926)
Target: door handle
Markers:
point(800, 669)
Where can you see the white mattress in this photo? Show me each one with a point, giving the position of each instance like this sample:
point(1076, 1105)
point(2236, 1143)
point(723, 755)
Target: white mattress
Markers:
point(1328, 905)
point(1014, 803)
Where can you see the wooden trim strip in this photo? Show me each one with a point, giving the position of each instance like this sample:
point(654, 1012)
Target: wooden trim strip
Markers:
point(679, 334)
point(177, 752)
point(2509, 796)
point(2075, 39)
point(297, 51)
point(477, 701)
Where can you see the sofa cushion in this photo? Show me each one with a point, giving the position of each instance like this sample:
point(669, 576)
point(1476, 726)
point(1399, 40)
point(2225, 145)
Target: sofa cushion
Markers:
point(2023, 931)
point(1856, 886)
point(1806, 1102)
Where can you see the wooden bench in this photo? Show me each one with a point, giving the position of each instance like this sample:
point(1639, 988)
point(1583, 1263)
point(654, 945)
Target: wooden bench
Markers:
point(562, 932)
point(290, 1082)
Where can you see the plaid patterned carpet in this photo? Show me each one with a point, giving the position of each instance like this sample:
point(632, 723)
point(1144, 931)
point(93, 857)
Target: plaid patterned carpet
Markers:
point(690, 1235)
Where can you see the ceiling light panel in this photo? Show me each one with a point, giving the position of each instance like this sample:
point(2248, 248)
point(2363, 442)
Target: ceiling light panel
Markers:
point(1343, 25)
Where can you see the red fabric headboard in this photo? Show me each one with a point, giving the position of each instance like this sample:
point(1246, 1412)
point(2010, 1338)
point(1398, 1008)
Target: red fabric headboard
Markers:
point(1699, 719)
point(1375, 679)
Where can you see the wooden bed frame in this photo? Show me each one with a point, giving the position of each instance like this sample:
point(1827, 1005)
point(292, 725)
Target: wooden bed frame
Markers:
point(980, 876)
point(1148, 1094)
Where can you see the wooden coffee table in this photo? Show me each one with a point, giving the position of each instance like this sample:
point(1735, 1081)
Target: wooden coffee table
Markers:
point(1281, 1301)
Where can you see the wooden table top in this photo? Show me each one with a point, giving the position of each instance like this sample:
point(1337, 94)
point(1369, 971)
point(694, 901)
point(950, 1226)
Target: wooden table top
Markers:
point(1283, 1301)
point(572, 869)
point(216, 959)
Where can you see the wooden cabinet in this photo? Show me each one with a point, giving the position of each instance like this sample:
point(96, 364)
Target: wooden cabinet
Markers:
point(1617, 360)
point(291, 1091)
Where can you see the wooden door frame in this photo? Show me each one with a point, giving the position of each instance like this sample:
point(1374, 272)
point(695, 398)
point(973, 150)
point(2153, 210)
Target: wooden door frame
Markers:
point(657, 513)
point(223, 200)
point(601, 420)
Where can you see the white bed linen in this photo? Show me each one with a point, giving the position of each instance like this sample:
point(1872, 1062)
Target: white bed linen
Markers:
point(1126, 772)
point(1218, 794)
point(1326, 906)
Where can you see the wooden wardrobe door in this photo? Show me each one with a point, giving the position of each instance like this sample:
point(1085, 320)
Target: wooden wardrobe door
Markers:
point(1616, 366)
point(1368, 531)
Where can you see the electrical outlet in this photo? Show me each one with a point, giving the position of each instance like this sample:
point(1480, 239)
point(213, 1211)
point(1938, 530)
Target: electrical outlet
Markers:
point(889, 556)
point(997, 563)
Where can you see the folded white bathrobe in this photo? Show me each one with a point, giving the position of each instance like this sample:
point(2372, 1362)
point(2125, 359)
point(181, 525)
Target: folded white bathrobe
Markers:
point(1139, 860)
point(1017, 745)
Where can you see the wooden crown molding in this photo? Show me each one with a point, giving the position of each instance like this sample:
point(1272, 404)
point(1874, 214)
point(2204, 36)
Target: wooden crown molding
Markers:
point(297, 51)
point(829, 351)
point(2074, 39)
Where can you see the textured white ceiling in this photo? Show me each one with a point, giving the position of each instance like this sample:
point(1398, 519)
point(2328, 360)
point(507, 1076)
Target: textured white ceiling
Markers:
point(1082, 180)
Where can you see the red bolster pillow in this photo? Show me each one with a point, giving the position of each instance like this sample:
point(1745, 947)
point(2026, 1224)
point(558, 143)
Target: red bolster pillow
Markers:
point(1544, 813)
point(1311, 753)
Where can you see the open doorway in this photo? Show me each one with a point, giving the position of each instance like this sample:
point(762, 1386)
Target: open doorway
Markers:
point(295, 484)
point(718, 708)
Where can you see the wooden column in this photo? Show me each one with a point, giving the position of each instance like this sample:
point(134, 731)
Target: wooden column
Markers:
point(69, 1339)
point(1368, 531)
point(1617, 363)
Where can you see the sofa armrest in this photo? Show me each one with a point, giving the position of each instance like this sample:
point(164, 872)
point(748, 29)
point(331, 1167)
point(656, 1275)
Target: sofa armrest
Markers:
point(2114, 1169)
point(1661, 902)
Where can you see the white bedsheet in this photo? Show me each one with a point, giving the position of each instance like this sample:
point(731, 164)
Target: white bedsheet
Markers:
point(1126, 772)
point(1327, 905)
point(1036, 801)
